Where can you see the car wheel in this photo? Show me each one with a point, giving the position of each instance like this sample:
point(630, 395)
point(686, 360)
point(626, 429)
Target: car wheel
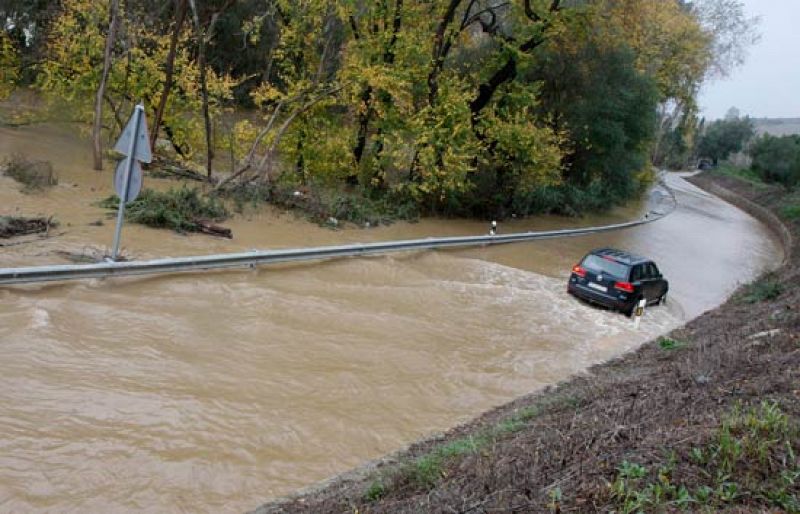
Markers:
point(630, 310)
point(662, 299)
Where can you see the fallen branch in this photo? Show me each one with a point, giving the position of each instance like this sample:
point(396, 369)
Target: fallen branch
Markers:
point(208, 227)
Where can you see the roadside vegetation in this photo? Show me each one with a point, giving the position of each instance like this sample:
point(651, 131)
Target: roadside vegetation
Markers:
point(750, 460)
point(33, 175)
point(379, 110)
point(740, 172)
point(182, 210)
point(324, 206)
point(777, 159)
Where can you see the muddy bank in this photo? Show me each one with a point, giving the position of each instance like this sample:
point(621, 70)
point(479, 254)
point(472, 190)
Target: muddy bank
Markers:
point(561, 450)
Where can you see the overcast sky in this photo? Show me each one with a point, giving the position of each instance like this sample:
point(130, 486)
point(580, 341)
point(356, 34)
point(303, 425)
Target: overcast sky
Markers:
point(768, 84)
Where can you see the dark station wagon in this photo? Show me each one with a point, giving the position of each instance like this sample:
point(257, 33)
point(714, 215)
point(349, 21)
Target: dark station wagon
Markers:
point(617, 279)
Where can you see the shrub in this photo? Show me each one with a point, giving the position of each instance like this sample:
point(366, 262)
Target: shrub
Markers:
point(792, 212)
point(34, 175)
point(321, 203)
point(777, 159)
point(764, 290)
point(750, 461)
point(178, 209)
point(12, 226)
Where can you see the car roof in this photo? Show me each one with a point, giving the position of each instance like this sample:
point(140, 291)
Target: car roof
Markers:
point(620, 256)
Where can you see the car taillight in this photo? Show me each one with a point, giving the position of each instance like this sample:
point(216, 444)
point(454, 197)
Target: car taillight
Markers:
point(578, 270)
point(624, 286)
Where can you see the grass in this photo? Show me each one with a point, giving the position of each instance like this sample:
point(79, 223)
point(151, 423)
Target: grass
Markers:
point(517, 421)
point(791, 206)
point(746, 174)
point(426, 470)
point(177, 209)
point(792, 212)
point(763, 290)
point(667, 343)
point(33, 175)
point(750, 460)
point(375, 491)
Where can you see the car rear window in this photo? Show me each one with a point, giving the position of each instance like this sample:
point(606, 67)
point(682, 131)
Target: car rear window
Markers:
point(601, 265)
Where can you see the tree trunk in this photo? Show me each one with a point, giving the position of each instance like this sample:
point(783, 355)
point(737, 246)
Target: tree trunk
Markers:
point(101, 89)
point(440, 49)
point(364, 115)
point(180, 15)
point(486, 90)
point(201, 61)
point(203, 37)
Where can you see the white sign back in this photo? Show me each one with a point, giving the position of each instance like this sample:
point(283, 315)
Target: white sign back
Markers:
point(135, 182)
point(142, 152)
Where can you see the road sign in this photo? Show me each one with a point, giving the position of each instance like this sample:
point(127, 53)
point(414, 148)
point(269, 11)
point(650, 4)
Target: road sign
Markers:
point(134, 183)
point(139, 127)
point(136, 145)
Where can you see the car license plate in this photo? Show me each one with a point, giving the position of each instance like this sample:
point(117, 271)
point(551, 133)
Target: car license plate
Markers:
point(598, 287)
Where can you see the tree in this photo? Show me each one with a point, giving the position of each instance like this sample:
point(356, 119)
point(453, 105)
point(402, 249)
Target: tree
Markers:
point(725, 137)
point(101, 88)
point(24, 24)
point(731, 31)
point(460, 106)
point(71, 70)
point(204, 34)
point(9, 65)
point(169, 68)
point(593, 91)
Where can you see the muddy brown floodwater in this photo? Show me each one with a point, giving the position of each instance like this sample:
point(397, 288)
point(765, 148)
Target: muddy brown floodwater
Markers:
point(215, 392)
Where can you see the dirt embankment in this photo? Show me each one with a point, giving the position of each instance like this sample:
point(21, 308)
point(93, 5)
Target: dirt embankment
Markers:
point(703, 419)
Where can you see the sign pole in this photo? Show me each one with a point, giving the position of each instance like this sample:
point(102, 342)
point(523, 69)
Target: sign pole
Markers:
point(137, 113)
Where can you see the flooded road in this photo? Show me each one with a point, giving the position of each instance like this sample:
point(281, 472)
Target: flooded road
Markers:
point(215, 392)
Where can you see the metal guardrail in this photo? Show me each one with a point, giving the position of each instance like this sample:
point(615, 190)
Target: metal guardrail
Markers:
point(9, 276)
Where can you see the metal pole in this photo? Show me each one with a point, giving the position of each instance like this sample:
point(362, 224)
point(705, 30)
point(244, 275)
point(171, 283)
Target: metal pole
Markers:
point(137, 114)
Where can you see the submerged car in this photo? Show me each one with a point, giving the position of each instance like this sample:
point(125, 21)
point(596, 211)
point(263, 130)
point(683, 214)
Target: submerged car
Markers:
point(617, 279)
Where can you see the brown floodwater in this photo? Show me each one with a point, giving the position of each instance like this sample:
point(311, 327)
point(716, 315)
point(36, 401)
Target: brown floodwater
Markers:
point(214, 392)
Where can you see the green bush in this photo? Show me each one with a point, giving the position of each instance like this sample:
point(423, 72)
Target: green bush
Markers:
point(322, 203)
point(178, 209)
point(792, 212)
point(567, 200)
point(777, 159)
point(764, 290)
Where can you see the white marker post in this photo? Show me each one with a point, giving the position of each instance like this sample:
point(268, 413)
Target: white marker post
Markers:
point(135, 144)
point(638, 313)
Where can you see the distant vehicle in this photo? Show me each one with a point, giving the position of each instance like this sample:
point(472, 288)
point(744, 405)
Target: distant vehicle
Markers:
point(617, 279)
